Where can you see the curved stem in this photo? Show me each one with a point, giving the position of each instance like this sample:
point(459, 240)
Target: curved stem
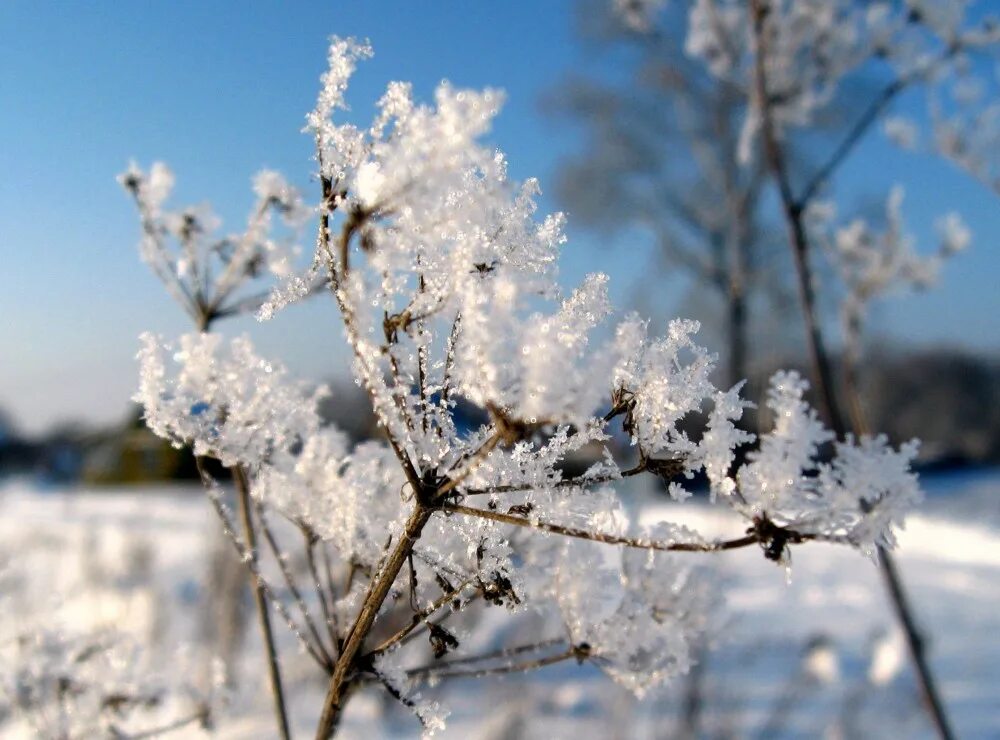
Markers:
point(610, 539)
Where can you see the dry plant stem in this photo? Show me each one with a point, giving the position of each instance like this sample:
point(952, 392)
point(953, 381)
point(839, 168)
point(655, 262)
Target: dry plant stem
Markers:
point(792, 209)
point(420, 617)
point(229, 529)
point(337, 272)
point(508, 652)
point(273, 669)
point(868, 117)
point(523, 667)
point(890, 573)
point(325, 600)
point(851, 379)
point(177, 724)
point(854, 136)
point(204, 321)
point(580, 481)
point(248, 553)
point(377, 592)
point(481, 454)
point(292, 585)
point(915, 643)
point(609, 539)
point(822, 374)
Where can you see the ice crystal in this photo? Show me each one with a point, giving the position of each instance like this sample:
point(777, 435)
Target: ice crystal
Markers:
point(860, 496)
point(666, 379)
point(639, 619)
point(223, 400)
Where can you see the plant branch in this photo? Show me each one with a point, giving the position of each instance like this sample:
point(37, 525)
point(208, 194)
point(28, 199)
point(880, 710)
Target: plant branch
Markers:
point(798, 240)
point(853, 137)
point(338, 286)
point(507, 652)
point(214, 494)
point(756, 535)
point(199, 716)
point(420, 617)
point(378, 590)
point(476, 458)
point(439, 671)
point(325, 599)
point(273, 668)
point(293, 587)
point(871, 113)
point(822, 371)
point(576, 481)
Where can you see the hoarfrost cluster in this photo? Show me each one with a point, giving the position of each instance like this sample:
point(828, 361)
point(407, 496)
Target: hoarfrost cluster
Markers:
point(446, 281)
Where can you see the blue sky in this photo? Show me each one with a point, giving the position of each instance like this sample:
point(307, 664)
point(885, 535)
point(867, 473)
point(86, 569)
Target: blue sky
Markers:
point(219, 91)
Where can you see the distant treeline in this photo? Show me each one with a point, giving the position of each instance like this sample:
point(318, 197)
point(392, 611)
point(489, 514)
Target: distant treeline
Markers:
point(948, 399)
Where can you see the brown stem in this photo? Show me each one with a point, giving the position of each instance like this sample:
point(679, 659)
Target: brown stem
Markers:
point(249, 554)
point(854, 136)
point(915, 642)
point(449, 358)
point(819, 357)
point(870, 115)
point(326, 600)
point(181, 722)
point(273, 669)
point(852, 386)
point(377, 592)
point(421, 617)
point(522, 667)
point(564, 483)
point(477, 457)
point(610, 539)
point(338, 272)
point(293, 586)
point(891, 577)
point(500, 654)
point(822, 373)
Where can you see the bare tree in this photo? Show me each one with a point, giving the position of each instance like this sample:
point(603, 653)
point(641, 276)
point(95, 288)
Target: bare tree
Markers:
point(660, 155)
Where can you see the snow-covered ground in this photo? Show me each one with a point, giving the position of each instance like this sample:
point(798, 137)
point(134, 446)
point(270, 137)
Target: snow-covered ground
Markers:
point(811, 652)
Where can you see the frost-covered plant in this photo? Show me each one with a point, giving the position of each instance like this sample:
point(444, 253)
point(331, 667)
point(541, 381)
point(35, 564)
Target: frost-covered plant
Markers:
point(446, 284)
point(874, 264)
point(809, 49)
point(94, 684)
point(68, 671)
point(207, 273)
